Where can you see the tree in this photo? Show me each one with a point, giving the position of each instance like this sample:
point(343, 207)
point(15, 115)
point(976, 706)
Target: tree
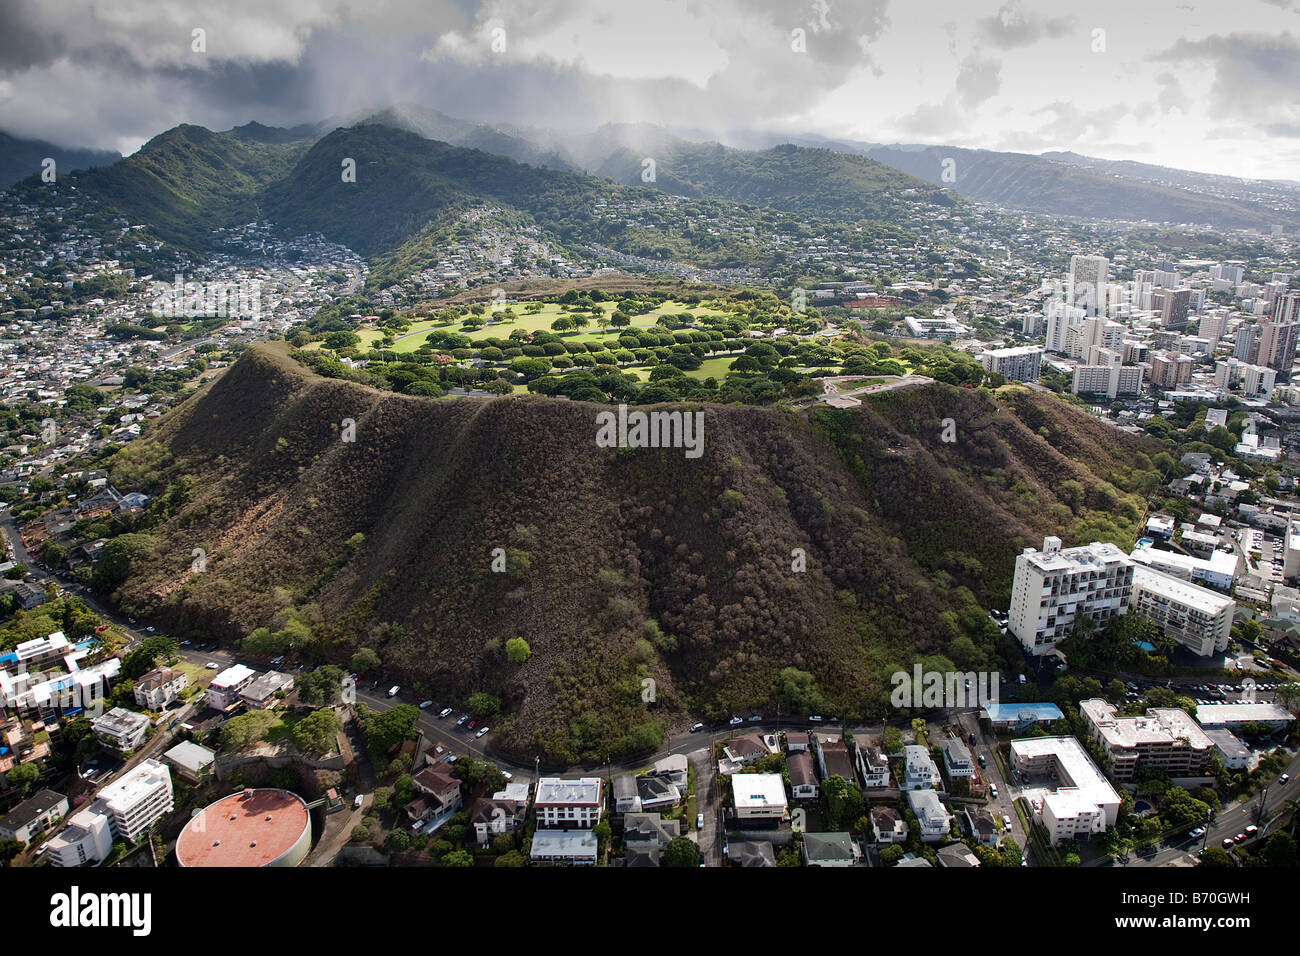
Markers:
point(682, 852)
point(321, 687)
point(246, 729)
point(365, 660)
point(386, 729)
point(483, 705)
point(143, 659)
point(458, 858)
point(8, 850)
point(263, 643)
point(512, 858)
point(1216, 858)
point(360, 834)
point(517, 650)
point(397, 841)
point(891, 854)
point(841, 802)
point(1280, 850)
point(23, 776)
point(317, 732)
point(120, 555)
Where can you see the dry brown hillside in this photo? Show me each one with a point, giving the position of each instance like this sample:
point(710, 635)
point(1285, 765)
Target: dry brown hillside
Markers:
point(621, 564)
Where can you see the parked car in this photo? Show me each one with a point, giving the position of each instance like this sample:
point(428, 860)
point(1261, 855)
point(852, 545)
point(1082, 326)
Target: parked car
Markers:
point(426, 704)
point(463, 720)
point(356, 801)
point(756, 718)
point(471, 725)
point(696, 728)
point(446, 711)
point(1239, 838)
point(983, 762)
point(213, 666)
point(1227, 842)
point(1006, 821)
point(1284, 778)
point(392, 691)
point(699, 821)
point(815, 718)
point(993, 790)
point(1252, 830)
point(482, 731)
point(1198, 832)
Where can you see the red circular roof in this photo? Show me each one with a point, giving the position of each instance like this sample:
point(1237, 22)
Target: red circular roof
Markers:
point(248, 828)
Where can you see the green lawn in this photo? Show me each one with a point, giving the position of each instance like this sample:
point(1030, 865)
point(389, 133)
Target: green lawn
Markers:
point(530, 322)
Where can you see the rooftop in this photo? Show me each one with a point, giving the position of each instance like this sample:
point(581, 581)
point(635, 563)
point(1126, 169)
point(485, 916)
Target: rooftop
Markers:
point(246, 829)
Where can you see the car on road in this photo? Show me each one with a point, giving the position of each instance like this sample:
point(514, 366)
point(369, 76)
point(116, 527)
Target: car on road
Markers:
point(464, 719)
point(1197, 833)
point(755, 718)
point(446, 711)
point(982, 760)
point(185, 643)
point(1228, 842)
point(1239, 838)
point(277, 661)
point(426, 704)
point(1252, 830)
point(149, 628)
point(972, 740)
point(356, 801)
point(993, 790)
point(699, 821)
point(1006, 821)
point(696, 728)
point(815, 718)
point(482, 731)
point(735, 721)
point(213, 666)
point(508, 775)
point(393, 691)
point(1284, 778)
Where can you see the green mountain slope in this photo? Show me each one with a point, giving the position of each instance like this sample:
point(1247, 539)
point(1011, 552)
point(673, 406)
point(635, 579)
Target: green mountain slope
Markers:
point(1037, 184)
point(20, 158)
point(623, 565)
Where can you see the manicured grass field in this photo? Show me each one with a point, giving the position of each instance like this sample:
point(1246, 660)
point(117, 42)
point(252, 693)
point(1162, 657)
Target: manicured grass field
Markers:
point(534, 322)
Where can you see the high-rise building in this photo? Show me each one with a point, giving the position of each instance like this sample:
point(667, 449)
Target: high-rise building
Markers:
point(1277, 344)
point(1213, 326)
point(1053, 587)
point(1174, 306)
point(1110, 379)
point(1245, 344)
point(1087, 286)
point(1196, 617)
point(1022, 364)
point(1286, 307)
point(1169, 370)
point(1164, 741)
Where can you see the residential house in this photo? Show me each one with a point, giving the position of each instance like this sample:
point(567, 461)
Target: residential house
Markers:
point(260, 693)
point(957, 760)
point(645, 835)
point(919, 771)
point(438, 798)
point(674, 768)
point(888, 825)
point(803, 781)
point(190, 760)
point(833, 758)
point(873, 765)
point(492, 817)
point(982, 826)
point(158, 688)
point(626, 797)
point(575, 847)
point(931, 814)
point(756, 853)
point(657, 793)
point(830, 849)
point(33, 816)
point(759, 799)
point(957, 855)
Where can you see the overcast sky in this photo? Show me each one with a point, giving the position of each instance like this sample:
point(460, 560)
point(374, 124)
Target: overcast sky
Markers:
point(1205, 86)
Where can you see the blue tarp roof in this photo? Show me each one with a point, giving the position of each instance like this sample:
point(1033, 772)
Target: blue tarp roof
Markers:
point(998, 713)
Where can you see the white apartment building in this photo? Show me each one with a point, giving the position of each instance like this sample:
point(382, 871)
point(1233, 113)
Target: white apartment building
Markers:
point(1053, 586)
point(158, 688)
point(1111, 379)
point(1083, 801)
point(569, 803)
point(1196, 617)
point(1087, 282)
point(138, 798)
point(225, 687)
point(86, 839)
point(1023, 364)
point(1218, 570)
point(1165, 740)
point(121, 728)
point(126, 808)
point(759, 797)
